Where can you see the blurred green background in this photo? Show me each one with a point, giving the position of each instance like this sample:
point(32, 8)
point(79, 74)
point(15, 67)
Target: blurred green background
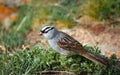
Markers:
point(19, 57)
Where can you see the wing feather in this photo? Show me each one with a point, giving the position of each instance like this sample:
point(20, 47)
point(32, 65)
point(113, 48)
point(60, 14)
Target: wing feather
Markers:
point(68, 43)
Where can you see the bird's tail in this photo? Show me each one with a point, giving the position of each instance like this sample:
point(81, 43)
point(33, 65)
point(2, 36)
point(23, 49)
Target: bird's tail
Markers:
point(96, 58)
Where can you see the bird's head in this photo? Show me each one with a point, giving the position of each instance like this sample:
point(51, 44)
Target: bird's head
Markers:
point(48, 32)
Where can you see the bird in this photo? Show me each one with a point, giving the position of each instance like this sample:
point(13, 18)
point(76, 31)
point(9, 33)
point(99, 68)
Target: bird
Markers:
point(66, 45)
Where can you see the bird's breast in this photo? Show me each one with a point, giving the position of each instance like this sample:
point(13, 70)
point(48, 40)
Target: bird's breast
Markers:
point(53, 44)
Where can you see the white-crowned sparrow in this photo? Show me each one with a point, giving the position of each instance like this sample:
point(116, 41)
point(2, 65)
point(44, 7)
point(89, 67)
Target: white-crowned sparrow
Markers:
point(66, 45)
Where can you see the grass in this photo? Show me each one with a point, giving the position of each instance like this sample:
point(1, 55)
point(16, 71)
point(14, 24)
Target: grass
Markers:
point(36, 60)
point(14, 37)
point(57, 12)
point(101, 9)
point(64, 12)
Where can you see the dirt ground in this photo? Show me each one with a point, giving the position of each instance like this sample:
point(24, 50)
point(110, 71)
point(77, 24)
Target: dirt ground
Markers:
point(107, 39)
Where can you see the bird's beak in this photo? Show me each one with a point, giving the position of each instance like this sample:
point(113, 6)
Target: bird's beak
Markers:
point(40, 34)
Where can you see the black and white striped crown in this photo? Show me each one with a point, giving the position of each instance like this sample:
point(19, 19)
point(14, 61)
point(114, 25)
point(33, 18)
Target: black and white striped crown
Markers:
point(46, 29)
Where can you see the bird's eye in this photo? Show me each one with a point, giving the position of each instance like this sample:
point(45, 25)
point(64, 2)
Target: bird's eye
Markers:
point(43, 31)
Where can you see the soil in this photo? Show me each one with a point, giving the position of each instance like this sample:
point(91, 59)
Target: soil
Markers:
point(107, 39)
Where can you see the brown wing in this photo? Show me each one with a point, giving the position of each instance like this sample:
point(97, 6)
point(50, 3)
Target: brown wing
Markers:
point(68, 43)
